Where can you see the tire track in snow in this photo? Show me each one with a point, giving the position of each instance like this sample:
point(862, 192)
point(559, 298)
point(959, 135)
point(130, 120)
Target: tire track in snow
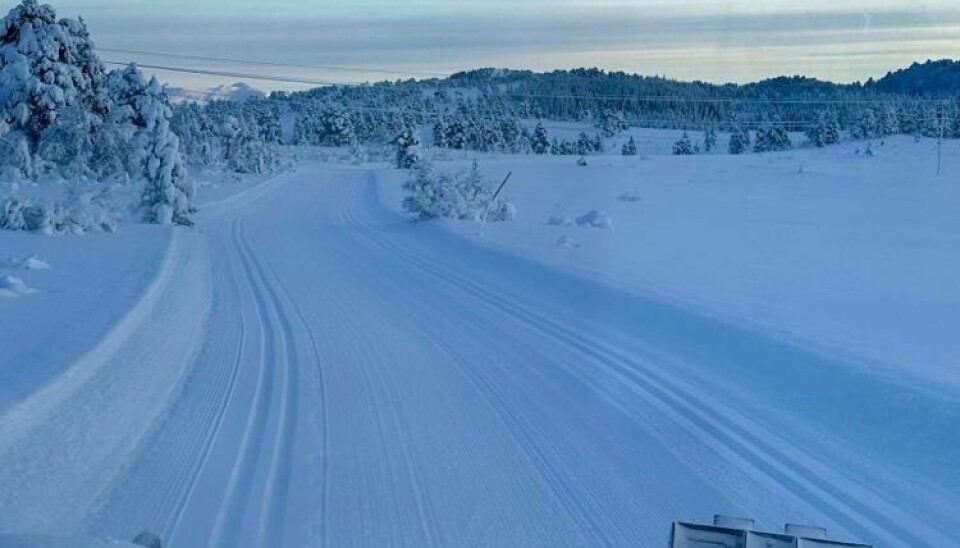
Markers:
point(732, 436)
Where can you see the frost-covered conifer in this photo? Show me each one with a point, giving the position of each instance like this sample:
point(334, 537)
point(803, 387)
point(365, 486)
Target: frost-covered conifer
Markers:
point(629, 148)
point(683, 147)
point(408, 149)
point(739, 141)
point(142, 109)
point(709, 140)
point(47, 71)
point(772, 138)
point(540, 142)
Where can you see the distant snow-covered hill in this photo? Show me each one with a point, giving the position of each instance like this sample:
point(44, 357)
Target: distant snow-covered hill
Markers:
point(237, 91)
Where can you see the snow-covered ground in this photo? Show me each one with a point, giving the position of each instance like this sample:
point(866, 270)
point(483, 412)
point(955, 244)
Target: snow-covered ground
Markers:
point(765, 335)
point(856, 256)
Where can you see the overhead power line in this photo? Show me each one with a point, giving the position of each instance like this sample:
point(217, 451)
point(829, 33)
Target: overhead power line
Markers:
point(230, 74)
point(682, 99)
point(269, 63)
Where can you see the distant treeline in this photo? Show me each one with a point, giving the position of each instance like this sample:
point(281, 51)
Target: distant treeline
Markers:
point(498, 110)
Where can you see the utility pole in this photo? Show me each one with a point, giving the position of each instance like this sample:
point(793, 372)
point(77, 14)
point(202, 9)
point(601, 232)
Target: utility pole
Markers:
point(940, 115)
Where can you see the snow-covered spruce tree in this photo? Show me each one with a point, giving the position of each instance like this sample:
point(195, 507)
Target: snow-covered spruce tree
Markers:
point(243, 148)
point(739, 141)
point(771, 139)
point(540, 142)
point(141, 108)
point(611, 122)
point(336, 128)
point(683, 147)
point(867, 127)
point(709, 140)
point(48, 70)
point(408, 149)
point(440, 134)
point(825, 132)
point(629, 148)
point(890, 124)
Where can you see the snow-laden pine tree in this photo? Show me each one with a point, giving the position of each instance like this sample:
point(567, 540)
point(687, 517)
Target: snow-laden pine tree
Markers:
point(739, 141)
point(826, 131)
point(408, 149)
point(683, 146)
point(243, 148)
point(629, 148)
point(709, 140)
point(141, 109)
point(772, 138)
point(867, 127)
point(540, 142)
point(48, 71)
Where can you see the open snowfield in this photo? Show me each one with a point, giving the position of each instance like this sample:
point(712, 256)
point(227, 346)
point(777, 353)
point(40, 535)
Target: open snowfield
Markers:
point(766, 335)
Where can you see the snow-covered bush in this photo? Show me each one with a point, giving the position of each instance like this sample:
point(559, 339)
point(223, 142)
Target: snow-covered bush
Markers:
point(78, 212)
point(461, 195)
point(629, 148)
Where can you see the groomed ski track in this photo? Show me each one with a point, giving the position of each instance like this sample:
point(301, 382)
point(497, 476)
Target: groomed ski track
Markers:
point(362, 380)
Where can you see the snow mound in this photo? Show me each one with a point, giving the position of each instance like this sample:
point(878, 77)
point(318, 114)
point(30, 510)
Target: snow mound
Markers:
point(567, 241)
point(11, 286)
point(559, 220)
point(595, 219)
point(504, 211)
point(34, 263)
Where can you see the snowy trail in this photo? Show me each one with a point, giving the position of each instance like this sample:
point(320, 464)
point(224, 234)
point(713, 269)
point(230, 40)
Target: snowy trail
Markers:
point(367, 381)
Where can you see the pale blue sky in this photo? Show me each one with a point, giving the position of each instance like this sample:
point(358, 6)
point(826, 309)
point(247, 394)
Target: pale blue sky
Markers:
point(715, 40)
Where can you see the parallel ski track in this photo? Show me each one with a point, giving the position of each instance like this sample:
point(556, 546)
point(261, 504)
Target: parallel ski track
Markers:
point(278, 349)
point(855, 507)
point(216, 425)
point(322, 408)
point(520, 431)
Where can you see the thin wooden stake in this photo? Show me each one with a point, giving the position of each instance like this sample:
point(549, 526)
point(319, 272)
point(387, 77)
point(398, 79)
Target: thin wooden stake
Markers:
point(486, 211)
